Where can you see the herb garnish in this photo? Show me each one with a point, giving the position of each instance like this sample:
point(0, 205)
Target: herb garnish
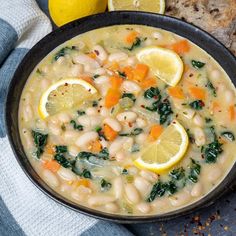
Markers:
point(211, 151)
point(105, 185)
point(62, 52)
point(61, 149)
point(76, 126)
point(125, 172)
point(61, 159)
point(121, 74)
point(103, 154)
point(135, 132)
point(129, 95)
point(80, 113)
point(86, 174)
point(211, 87)
point(195, 170)
point(228, 135)
point(136, 43)
point(40, 141)
point(152, 93)
point(197, 104)
point(96, 76)
point(197, 64)
point(177, 174)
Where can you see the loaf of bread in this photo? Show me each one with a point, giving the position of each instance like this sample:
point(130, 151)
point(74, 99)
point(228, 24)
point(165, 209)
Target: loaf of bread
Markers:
point(218, 17)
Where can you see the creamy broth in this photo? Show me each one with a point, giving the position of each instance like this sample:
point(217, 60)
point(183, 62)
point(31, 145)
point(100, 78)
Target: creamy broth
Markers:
point(98, 171)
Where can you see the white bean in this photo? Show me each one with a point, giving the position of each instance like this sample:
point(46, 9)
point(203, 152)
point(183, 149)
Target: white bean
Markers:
point(115, 146)
point(70, 135)
point(45, 83)
point(128, 143)
point(133, 170)
point(130, 86)
point(143, 186)
point(197, 190)
point(120, 156)
point(111, 207)
point(86, 61)
point(214, 172)
point(100, 71)
point(76, 70)
point(64, 117)
point(104, 111)
point(103, 142)
point(127, 116)
point(28, 113)
point(132, 193)
point(28, 138)
point(101, 80)
point(215, 74)
point(199, 136)
point(188, 113)
point(60, 60)
point(73, 150)
point(50, 178)
point(55, 129)
point(157, 35)
point(86, 138)
point(148, 175)
point(118, 187)
point(113, 123)
point(198, 120)
point(180, 198)
point(141, 123)
point(131, 61)
point(90, 111)
point(141, 138)
point(81, 193)
point(99, 200)
point(118, 56)
point(100, 52)
point(65, 188)
point(89, 120)
point(229, 96)
point(144, 207)
point(66, 174)
point(27, 98)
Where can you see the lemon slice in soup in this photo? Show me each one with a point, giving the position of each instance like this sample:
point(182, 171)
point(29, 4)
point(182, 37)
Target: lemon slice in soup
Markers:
point(157, 6)
point(63, 95)
point(165, 64)
point(167, 151)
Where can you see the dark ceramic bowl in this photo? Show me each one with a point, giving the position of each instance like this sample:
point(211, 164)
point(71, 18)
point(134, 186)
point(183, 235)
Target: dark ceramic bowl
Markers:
point(59, 36)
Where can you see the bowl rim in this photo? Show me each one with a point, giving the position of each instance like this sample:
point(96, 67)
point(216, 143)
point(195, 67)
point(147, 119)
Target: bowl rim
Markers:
point(196, 35)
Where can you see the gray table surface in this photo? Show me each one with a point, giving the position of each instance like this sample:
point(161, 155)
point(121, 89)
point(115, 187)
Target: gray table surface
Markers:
point(218, 219)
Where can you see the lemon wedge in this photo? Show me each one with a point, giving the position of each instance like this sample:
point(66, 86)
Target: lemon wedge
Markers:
point(165, 64)
point(63, 95)
point(167, 151)
point(156, 6)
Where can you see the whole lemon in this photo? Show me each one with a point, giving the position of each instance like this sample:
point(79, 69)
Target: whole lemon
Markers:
point(64, 11)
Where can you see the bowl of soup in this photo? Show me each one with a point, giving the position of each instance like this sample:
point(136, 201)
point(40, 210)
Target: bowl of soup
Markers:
point(126, 116)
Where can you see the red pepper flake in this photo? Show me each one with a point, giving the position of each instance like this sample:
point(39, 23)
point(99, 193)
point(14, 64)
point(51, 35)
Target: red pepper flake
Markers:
point(142, 106)
point(66, 84)
point(130, 124)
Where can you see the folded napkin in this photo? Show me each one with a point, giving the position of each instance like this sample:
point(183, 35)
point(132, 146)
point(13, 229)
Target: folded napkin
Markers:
point(24, 210)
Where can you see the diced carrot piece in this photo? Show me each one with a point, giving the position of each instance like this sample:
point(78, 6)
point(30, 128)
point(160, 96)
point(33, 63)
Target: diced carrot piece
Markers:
point(49, 149)
point(147, 83)
point(84, 182)
point(114, 66)
point(215, 107)
point(92, 55)
point(95, 146)
point(231, 112)
point(116, 82)
point(87, 79)
point(130, 38)
point(112, 97)
point(109, 133)
point(181, 47)
point(128, 70)
point(140, 72)
point(198, 93)
point(155, 132)
point(51, 165)
point(176, 92)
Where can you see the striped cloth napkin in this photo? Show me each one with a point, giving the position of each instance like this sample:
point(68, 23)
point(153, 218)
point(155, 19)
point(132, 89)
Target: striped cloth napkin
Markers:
point(24, 210)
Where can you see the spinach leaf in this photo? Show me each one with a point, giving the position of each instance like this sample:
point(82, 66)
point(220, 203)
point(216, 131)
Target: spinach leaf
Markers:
point(80, 113)
point(158, 190)
point(135, 132)
point(129, 95)
point(40, 141)
point(62, 52)
point(171, 187)
point(135, 148)
point(61, 149)
point(121, 74)
point(103, 154)
point(154, 106)
point(210, 86)
point(86, 174)
point(197, 104)
point(164, 110)
point(195, 170)
point(61, 159)
point(105, 185)
point(177, 174)
point(197, 64)
point(94, 104)
point(96, 76)
point(228, 135)
point(76, 126)
point(208, 120)
point(211, 151)
point(125, 172)
point(151, 93)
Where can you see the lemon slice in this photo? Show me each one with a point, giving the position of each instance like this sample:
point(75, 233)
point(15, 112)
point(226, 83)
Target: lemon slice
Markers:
point(166, 151)
point(156, 6)
point(64, 94)
point(165, 63)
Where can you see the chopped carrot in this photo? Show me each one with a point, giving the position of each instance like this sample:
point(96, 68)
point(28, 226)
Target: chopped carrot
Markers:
point(176, 92)
point(109, 133)
point(114, 66)
point(231, 112)
point(87, 79)
point(92, 55)
point(140, 72)
point(49, 149)
point(147, 83)
point(181, 47)
point(52, 165)
point(116, 82)
point(198, 93)
point(155, 132)
point(215, 107)
point(128, 70)
point(95, 146)
point(112, 97)
point(84, 182)
point(130, 38)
